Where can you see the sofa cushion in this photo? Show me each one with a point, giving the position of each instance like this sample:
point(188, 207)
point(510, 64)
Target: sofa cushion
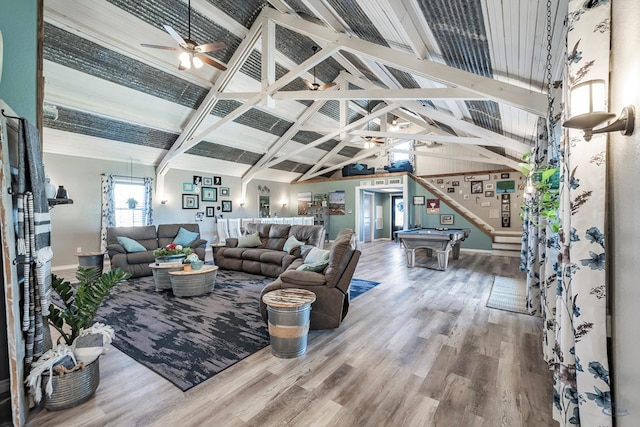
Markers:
point(316, 255)
point(316, 266)
point(306, 278)
point(291, 243)
point(185, 237)
point(130, 245)
point(249, 241)
point(358, 167)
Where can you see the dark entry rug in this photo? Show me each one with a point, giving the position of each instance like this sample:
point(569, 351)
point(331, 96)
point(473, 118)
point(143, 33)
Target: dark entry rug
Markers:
point(188, 340)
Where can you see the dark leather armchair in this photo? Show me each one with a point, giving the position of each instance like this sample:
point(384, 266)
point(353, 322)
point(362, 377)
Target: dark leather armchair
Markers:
point(331, 286)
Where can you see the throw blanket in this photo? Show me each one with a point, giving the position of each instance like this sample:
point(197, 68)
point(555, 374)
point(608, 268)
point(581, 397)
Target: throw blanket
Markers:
point(34, 237)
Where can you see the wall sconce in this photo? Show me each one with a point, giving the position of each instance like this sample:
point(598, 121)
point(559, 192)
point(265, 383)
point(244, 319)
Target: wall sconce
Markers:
point(241, 203)
point(284, 205)
point(587, 110)
point(164, 201)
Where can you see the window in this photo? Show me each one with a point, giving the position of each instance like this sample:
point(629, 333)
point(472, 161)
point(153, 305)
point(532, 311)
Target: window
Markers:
point(406, 147)
point(129, 202)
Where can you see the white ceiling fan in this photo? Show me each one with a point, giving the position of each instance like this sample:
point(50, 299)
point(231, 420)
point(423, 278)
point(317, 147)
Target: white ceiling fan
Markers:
point(192, 53)
point(315, 85)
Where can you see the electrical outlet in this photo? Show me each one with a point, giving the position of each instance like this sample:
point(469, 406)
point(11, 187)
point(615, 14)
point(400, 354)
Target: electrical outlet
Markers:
point(78, 250)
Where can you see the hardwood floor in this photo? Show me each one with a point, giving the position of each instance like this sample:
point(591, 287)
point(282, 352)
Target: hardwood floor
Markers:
point(420, 349)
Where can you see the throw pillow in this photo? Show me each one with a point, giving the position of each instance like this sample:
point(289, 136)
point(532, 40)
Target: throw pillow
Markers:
point(317, 255)
point(358, 167)
point(131, 245)
point(291, 243)
point(185, 237)
point(249, 241)
point(318, 267)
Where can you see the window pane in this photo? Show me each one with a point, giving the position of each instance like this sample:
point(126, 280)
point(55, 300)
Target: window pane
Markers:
point(124, 191)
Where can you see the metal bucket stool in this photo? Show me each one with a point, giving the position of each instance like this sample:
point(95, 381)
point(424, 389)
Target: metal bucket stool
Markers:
point(288, 311)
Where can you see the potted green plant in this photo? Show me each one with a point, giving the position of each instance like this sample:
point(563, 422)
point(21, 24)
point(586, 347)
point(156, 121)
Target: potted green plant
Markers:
point(132, 203)
point(543, 195)
point(61, 371)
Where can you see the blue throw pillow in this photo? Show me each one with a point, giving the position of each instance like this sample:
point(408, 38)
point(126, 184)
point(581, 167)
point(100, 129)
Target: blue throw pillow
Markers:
point(358, 167)
point(131, 245)
point(185, 237)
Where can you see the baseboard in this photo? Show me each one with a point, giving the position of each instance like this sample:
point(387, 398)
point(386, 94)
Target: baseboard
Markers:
point(477, 251)
point(64, 267)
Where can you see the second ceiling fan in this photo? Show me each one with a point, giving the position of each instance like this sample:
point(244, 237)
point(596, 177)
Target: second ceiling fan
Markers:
point(315, 85)
point(192, 53)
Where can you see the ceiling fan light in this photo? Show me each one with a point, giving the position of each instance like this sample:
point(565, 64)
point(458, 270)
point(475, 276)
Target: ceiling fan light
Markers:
point(197, 62)
point(185, 61)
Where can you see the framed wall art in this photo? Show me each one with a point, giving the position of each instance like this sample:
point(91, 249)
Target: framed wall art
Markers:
point(190, 201)
point(211, 211)
point(226, 206)
point(197, 180)
point(418, 200)
point(187, 186)
point(207, 181)
point(476, 187)
point(446, 219)
point(225, 192)
point(209, 194)
point(217, 180)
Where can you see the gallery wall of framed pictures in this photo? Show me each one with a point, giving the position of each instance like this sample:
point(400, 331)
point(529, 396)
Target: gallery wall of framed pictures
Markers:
point(207, 195)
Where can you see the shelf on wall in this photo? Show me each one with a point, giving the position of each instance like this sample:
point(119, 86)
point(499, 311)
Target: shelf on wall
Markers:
point(55, 202)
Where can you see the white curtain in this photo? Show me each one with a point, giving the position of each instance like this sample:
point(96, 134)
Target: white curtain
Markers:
point(147, 208)
point(108, 209)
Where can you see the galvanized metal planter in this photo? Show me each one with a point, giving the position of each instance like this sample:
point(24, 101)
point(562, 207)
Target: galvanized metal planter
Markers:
point(72, 389)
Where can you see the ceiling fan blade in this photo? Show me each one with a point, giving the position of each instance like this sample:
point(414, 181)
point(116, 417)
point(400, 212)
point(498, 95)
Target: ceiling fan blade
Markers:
point(327, 85)
point(209, 47)
point(310, 85)
point(212, 62)
point(155, 46)
point(175, 36)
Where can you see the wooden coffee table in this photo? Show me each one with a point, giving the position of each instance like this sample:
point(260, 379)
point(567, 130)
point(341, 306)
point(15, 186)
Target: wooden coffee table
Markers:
point(194, 282)
point(161, 273)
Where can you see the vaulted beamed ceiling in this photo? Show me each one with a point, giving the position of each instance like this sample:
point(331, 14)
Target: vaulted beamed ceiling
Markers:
point(467, 72)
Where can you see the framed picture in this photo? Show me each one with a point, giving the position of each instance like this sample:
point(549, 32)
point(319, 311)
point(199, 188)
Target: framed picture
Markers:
point(418, 200)
point(465, 197)
point(226, 206)
point(199, 216)
point(506, 207)
point(451, 190)
point(455, 183)
point(440, 181)
point(211, 211)
point(446, 219)
point(217, 180)
point(489, 186)
point(488, 194)
point(504, 175)
point(209, 194)
point(187, 186)
point(476, 187)
point(225, 192)
point(207, 181)
point(190, 201)
point(433, 206)
point(197, 180)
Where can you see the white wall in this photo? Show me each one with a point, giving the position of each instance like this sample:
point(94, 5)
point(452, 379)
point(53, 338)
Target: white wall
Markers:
point(624, 208)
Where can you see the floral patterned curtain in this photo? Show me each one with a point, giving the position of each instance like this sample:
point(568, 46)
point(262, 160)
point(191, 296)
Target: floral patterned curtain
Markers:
point(582, 389)
point(147, 209)
point(108, 209)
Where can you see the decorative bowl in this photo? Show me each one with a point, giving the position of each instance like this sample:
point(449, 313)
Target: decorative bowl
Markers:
point(170, 258)
point(197, 265)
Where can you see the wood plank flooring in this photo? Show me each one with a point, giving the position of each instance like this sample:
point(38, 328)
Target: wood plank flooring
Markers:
point(420, 349)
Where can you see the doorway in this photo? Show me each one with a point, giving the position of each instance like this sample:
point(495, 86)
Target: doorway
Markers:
point(397, 214)
point(367, 214)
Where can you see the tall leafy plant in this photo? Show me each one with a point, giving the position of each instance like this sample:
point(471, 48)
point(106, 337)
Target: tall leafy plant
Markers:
point(544, 194)
point(81, 300)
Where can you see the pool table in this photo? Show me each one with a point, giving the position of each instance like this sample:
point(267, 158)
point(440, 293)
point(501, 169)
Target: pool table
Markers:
point(442, 240)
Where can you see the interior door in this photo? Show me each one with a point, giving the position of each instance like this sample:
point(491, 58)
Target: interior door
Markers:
point(367, 214)
point(397, 213)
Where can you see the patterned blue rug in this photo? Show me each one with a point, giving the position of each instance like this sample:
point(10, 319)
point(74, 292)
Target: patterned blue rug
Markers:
point(189, 340)
point(359, 287)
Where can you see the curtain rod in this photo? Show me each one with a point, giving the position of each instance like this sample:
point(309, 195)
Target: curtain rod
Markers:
point(126, 176)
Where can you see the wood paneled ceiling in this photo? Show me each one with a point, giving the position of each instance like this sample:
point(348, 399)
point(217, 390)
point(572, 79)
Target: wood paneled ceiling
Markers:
point(466, 72)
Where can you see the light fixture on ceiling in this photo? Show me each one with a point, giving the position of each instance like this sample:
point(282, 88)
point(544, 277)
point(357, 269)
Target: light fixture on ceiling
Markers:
point(315, 85)
point(587, 110)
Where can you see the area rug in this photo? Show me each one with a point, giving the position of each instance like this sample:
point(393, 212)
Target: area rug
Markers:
point(509, 293)
point(189, 340)
point(359, 287)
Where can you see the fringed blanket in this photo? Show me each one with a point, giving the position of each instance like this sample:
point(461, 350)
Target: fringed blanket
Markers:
point(34, 237)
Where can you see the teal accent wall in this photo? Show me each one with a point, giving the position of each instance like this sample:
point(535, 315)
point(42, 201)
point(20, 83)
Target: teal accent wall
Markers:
point(18, 82)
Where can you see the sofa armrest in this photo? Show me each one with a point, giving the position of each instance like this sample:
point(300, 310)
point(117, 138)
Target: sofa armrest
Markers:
point(115, 248)
point(231, 242)
point(303, 278)
point(198, 243)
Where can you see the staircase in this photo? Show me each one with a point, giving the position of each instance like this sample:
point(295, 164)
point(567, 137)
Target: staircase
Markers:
point(504, 243)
